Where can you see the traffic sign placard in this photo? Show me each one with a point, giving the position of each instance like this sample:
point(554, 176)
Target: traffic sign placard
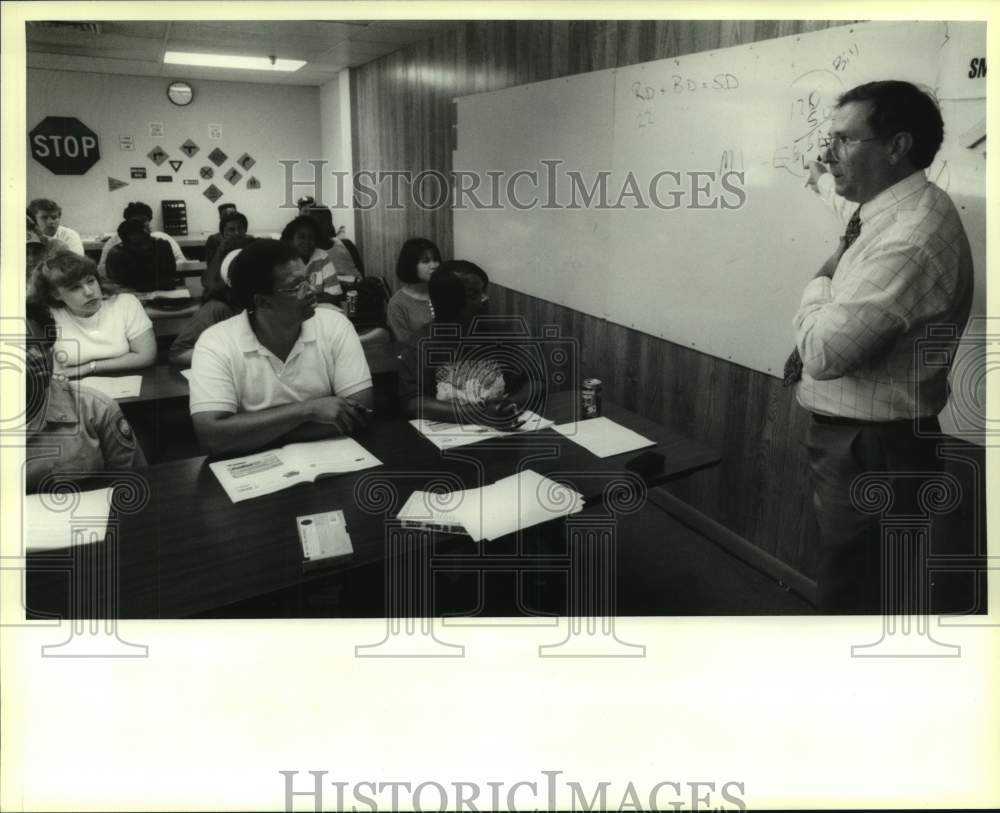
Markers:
point(64, 145)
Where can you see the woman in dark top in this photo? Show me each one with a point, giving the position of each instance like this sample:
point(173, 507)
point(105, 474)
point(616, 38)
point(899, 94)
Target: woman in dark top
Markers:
point(141, 262)
point(468, 375)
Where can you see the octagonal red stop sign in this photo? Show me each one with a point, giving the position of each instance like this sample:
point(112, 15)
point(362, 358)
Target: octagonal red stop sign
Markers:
point(64, 145)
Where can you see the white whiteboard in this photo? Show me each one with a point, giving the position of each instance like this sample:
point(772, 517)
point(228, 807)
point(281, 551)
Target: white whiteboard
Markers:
point(544, 252)
point(724, 281)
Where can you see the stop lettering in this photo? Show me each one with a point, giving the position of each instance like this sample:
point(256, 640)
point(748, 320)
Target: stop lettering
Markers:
point(64, 145)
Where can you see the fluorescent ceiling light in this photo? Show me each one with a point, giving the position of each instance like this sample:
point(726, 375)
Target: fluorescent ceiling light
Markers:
point(245, 63)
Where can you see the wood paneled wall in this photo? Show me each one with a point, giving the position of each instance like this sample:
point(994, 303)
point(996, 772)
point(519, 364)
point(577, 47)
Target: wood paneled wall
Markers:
point(403, 115)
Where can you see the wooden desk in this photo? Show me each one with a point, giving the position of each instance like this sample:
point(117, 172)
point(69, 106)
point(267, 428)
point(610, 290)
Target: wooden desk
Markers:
point(186, 549)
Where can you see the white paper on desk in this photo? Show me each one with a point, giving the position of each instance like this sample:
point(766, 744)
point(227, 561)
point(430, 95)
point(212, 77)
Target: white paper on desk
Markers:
point(118, 386)
point(508, 505)
point(172, 293)
point(46, 527)
point(442, 511)
point(244, 478)
point(523, 500)
point(603, 437)
point(446, 435)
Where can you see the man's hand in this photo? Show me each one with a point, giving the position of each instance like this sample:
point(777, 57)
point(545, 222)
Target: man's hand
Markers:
point(816, 170)
point(502, 414)
point(346, 415)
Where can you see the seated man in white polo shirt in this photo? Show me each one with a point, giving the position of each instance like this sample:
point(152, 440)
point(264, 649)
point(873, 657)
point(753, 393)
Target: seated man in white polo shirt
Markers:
point(280, 371)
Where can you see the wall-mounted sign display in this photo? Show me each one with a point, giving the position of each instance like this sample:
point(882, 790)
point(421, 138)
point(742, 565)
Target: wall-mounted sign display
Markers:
point(189, 148)
point(156, 129)
point(114, 183)
point(217, 157)
point(137, 172)
point(64, 145)
point(175, 165)
point(213, 193)
point(246, 161)
point(233, 176)
point(164, 178)
point(215, 131)
point(253, 183)
point(206, 172)
point(157, 155)
point(126, 142)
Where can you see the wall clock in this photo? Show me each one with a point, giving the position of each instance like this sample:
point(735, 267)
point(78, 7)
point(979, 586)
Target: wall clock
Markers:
point(180, 93)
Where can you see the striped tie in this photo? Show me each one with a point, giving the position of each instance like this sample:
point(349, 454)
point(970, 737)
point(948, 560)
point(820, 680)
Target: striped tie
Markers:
point(793, 367)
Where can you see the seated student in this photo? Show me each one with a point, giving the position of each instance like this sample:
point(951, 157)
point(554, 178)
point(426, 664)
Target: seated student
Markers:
point(137, 210)
point(471, 385)
point(212, 243)
point(38, 247)
point(46, 214)
point(218, 304)
point(141, 262)
point(410, 307)
point(232, 235)
point(71, 431)
point(282, 370)
point(342, 251)
point(102, 333)
point(302, 234)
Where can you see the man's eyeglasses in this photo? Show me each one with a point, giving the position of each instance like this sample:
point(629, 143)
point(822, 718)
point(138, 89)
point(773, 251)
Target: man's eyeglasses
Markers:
point(300, 291)
point(838, 144)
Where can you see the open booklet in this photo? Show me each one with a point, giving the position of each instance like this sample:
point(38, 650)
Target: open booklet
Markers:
point(508, 505)
point(262, 473)
point(448, 435)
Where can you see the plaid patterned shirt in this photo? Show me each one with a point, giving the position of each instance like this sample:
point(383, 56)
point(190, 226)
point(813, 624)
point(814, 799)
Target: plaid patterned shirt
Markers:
point(858, 333)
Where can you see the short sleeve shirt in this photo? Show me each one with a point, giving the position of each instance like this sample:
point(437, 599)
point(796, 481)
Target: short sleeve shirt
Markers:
point(470, 369)
point(231, 371)
point(83, 432)
point(105, 335)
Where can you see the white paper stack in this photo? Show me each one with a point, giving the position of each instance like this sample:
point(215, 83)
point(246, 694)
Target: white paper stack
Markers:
point(449, 435)
point(119, 386)
point(508, 505)
point(603, 437)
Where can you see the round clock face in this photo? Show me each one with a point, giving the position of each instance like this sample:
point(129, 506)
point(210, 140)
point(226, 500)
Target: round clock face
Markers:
point(180, 93)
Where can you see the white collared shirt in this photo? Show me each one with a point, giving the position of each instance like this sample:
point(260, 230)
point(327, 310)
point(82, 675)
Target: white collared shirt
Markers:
point(860, 333)
point(71, 238)
point(231, 371)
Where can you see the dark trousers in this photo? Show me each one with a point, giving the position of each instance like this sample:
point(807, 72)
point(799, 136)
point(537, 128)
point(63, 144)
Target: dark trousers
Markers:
point(853, 576)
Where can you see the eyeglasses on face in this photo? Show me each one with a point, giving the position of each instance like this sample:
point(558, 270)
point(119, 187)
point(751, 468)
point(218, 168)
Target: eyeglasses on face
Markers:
point(300, 291)
point(838, 144)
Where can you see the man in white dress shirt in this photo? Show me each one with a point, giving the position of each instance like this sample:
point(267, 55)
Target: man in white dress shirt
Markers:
point(903, 267)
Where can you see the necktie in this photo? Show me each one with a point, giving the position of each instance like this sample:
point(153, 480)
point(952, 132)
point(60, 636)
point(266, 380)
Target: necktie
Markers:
point(793, 367)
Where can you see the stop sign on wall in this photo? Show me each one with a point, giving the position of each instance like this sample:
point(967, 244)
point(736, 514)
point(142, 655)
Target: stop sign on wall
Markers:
point(64, 145)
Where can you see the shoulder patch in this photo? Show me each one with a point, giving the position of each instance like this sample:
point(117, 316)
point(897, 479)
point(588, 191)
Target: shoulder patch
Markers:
point(124, 430)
